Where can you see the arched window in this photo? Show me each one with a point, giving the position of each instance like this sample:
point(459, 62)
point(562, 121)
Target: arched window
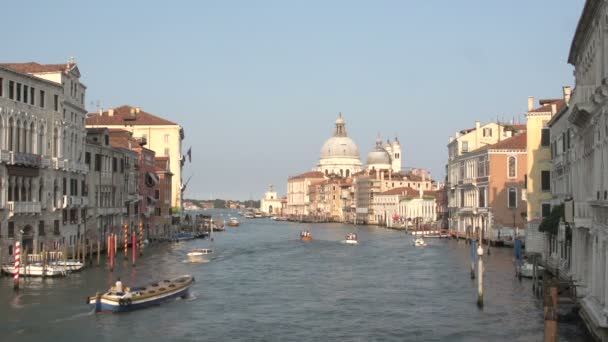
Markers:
point(512, 198)
point(40, 148)
point(18, 136)
point(512, 167)
point(11, 134)
point(32, 138)
point(55, 145)
point(341, 173)
point(347, 173)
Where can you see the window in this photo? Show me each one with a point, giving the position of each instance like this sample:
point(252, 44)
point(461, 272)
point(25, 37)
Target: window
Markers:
point(56, 103)
point(32, 92)
point(56, 230)
point(487, 132)
point(545, 137)
point(65, 186)
point(166, 138)
point(461, 198)
point(156, 194)
point(18, 91)
point(545, 180)
point(166, 152)
point(41, 100)
point(11, 90)
point(512, 201)
point(545, 210)
point(97, 162)
point(122, 165)
point(1, 86)
point(526, 181)
point(568, 138)
point(465, 146)
point(87, 158)
point(11, 229)
point(83, 188)
point(157, 211)
point(25, 93)
point(106, 139)
point(482, 197)
point(114, 164)
point(512, 167)
point(41, 228)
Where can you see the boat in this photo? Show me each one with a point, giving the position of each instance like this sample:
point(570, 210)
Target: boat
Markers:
point(200, 254)
point(305, 235)
point(140, 297)
point(527, 270)
point(419, 242)
point(352, 239)
point(249, 215)
point(258, 215)
point(182, 236)
point(233, 222)
point(37, 270)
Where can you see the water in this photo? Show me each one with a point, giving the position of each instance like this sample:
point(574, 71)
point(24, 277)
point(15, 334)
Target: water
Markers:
point(266, 285)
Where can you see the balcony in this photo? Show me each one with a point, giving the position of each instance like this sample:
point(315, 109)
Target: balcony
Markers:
point(46, 162)
point(23, 208)
point(583, 214)
point(5, 156)
point(58, 164)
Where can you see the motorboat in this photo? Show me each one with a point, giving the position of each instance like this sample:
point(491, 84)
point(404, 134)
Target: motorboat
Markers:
point(258, 215)
point(305, 235)
point(352, 239)
point(140, 297)
point(233, 222)
point(249, 214)
point(419, 242)
point(37, 270)
point(527, 270)
point(200, 254)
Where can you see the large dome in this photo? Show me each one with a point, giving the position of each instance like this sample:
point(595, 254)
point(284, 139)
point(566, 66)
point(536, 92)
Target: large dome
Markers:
point(339, 147)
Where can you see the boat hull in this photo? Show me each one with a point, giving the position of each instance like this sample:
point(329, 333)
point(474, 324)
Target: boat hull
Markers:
point(108, 303)
point(352, 242)
point(306, 238)
point(37, 270)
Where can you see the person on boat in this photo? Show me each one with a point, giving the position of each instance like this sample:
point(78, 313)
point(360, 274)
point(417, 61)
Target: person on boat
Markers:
point(118, 285)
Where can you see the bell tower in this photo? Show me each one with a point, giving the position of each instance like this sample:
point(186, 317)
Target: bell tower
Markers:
point(396, 156)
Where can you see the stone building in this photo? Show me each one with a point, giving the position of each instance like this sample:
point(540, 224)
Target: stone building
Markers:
point(162, 196)
point(298, 197)
point(339, 154)
point(162, 136)
point(42, 168)
point(271, 203)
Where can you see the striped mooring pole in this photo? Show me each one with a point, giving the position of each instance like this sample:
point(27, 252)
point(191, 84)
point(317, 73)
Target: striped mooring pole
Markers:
point(126, 238)
point(17, 265)
point(141, 238)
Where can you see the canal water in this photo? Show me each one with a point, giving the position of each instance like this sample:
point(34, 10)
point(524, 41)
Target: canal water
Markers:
point(266, 285)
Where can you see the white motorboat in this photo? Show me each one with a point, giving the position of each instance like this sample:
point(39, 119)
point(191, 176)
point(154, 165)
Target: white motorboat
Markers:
point(419, 242)
point(352, 239)
point(200, 252)
point(36, 270)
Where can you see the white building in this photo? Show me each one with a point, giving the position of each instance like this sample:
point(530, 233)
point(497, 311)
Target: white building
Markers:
point(587, 158)
point(42, 170)
point(339, 154)
point(271, 203)
point(385, 158)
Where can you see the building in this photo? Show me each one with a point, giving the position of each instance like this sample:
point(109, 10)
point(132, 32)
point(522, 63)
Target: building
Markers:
point(417, 209)
point(585, 157)
point(539, 165)
point(339, 154)
point(486, 191)
point(385, 158)
point(271, 203)
point(162, 136)
point(42, 168)
point(111, 186)
point(298, 196)
point(162, 195)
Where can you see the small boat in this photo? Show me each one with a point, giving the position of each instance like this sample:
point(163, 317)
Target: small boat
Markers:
point(527, 270)
point(257, 215)
point(182, 237)
point(305, 235)
point(249, 215)
point(140, 297)
point(37, 270)
point(419, 242)
point(352, 239)
point(200, 252)
point(233, 222)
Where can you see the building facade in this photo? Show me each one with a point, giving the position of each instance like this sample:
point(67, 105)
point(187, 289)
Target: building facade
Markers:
point(271, 203)
point(162, 136)
point(42, 166)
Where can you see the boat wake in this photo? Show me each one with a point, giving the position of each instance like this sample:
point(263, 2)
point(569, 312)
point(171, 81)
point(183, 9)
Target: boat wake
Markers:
point(75, 317)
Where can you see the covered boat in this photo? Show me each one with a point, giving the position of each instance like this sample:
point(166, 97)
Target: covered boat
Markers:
point(233, 222)
point(419, 242)
point(140, 297)
point(305, 235)
point(352, 239)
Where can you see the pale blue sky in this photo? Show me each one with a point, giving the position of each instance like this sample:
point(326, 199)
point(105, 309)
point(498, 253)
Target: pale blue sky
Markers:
point(257, 85)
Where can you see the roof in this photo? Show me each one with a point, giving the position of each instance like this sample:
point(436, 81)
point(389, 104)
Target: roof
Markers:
point(584, 23)
point(399, 191)
point(122, 116)
point(33, 67)
point(121, 138)
point(310, 174)
point(517, 142)
point(546, 106)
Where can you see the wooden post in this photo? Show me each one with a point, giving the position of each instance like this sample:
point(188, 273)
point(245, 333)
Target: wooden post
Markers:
point(17, 266)
point(473, 257)
point(550, 311)
point(141, 238)
point(126, 241)
point(111, 251)
point(84, 250)
point(42, 252)
point(133, 246)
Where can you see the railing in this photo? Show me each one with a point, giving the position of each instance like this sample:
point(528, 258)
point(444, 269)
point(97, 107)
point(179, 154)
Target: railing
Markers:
point(16, 208)
point(45, 162)
point(58, 163)
point(582, 210)
point(6, 156)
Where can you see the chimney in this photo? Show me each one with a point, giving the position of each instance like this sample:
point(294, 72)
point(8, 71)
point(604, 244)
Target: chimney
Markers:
point(100, 111)
point(451, 138)
point(477, 125)
point(553, 108)
point(421, 192)
point(567, 93)
point(110, 111)
point(457, 135)
point(530, 103)
point(137, 110)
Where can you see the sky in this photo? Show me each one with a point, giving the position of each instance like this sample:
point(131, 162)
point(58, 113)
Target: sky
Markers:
point(257, 85)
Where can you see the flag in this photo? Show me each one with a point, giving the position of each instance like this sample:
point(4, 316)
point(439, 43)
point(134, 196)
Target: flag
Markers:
point(189, 154)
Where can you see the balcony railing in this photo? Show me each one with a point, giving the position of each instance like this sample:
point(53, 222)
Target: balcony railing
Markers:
point(5, 156)
point(21, 208)
point(46, 162)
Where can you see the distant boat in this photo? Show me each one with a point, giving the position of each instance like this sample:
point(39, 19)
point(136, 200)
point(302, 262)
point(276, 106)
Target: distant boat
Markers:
point(419, 242)
point(37, 270)
point(249, 215)
point(352, 239)
point(305, 235)
point(200, 254)
point(233, 222)
point(140, 297)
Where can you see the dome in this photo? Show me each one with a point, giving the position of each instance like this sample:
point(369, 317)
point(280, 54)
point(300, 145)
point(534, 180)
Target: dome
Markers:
point(339, 147)
point(378, 157)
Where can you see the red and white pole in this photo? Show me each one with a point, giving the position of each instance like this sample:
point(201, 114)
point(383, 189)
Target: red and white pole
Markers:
point(134, 247)
point(17, 265)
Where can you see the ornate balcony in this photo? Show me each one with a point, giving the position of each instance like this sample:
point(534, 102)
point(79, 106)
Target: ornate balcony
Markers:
point(23, 208)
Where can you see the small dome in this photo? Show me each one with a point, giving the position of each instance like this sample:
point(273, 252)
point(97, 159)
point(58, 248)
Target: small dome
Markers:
point(378, 158)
